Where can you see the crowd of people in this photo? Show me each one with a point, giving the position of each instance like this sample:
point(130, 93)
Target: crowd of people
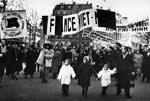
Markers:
point(80, 62)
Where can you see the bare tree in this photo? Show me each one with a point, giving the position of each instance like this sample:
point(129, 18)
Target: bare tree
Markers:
point(15, 5)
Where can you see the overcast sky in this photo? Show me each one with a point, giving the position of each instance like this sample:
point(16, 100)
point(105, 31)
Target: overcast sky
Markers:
point(133, 9)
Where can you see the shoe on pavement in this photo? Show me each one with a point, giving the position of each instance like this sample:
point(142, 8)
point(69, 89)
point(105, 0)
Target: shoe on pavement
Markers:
point(117, 93)
point(1, 85)
point(66, 94)
point(128, 96)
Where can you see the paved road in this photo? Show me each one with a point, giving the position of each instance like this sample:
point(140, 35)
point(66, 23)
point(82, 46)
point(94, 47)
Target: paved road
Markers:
point(33, 90)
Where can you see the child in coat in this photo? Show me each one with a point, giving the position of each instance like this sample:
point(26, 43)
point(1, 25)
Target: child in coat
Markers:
point(105, 75)
point(65, 74)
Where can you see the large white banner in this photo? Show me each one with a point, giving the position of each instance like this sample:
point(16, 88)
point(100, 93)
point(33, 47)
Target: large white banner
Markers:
point(70, 24)
point(13, 24)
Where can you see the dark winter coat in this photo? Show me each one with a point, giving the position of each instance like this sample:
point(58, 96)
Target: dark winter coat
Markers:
point(124, 69)
point(84, 73)
point(4, 58)
point(3, 61)
point(15, 59)
point(56, 61)
point(30, 59)
point(146, 64)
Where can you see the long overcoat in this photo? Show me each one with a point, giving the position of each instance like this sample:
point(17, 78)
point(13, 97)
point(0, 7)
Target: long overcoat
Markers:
point(56, 61)
point(146, 65)
point(31, 57)
point(124, 69)
point(84, 73)
point(15, 60)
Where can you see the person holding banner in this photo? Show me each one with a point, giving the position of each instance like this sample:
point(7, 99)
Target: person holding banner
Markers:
point(3, 59)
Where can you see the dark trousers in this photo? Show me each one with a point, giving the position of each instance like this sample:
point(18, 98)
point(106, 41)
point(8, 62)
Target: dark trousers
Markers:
point(38, 67)
point(145, 76)
point(104, 90)
point(46, 73)
point(127, 90)
point(84, 91)
point(65, 89)
point(54, 75)
point(2, 68)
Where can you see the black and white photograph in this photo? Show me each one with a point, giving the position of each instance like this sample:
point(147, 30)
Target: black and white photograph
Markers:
point(74, 50)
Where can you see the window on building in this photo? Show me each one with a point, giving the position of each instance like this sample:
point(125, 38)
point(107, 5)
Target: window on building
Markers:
point(69, 7)
point(68, 12)
point(58, 12)
point(63, 36)
point(62, 7)
point(64, 12)
point(55, 13)
point(75, 7)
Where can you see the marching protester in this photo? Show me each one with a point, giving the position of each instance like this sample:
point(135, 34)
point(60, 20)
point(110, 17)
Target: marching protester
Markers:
point(37, 49)
point(48, 55)
point(124, 72)
point(76, 62)
point(105, 75)
point(30, 60)
point(138, 62)
point(96, 59)
point(40, 61)
point(56, 63)
point(68, 54)
point(84, 73)
point(15, 60)
point(8, 69)
point(146, 64)
point(65, 74)
point(3, 59)
point(45, 59)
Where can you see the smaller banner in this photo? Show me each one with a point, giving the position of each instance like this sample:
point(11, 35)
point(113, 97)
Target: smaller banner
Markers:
point(13, 24)
point(139, 27)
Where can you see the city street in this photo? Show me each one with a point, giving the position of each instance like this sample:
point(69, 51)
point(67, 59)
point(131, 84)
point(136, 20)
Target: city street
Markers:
point(76, 34)
point(33, 90)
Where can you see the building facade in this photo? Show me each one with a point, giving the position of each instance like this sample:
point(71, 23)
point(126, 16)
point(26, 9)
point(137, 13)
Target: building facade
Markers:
point(67, 9)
